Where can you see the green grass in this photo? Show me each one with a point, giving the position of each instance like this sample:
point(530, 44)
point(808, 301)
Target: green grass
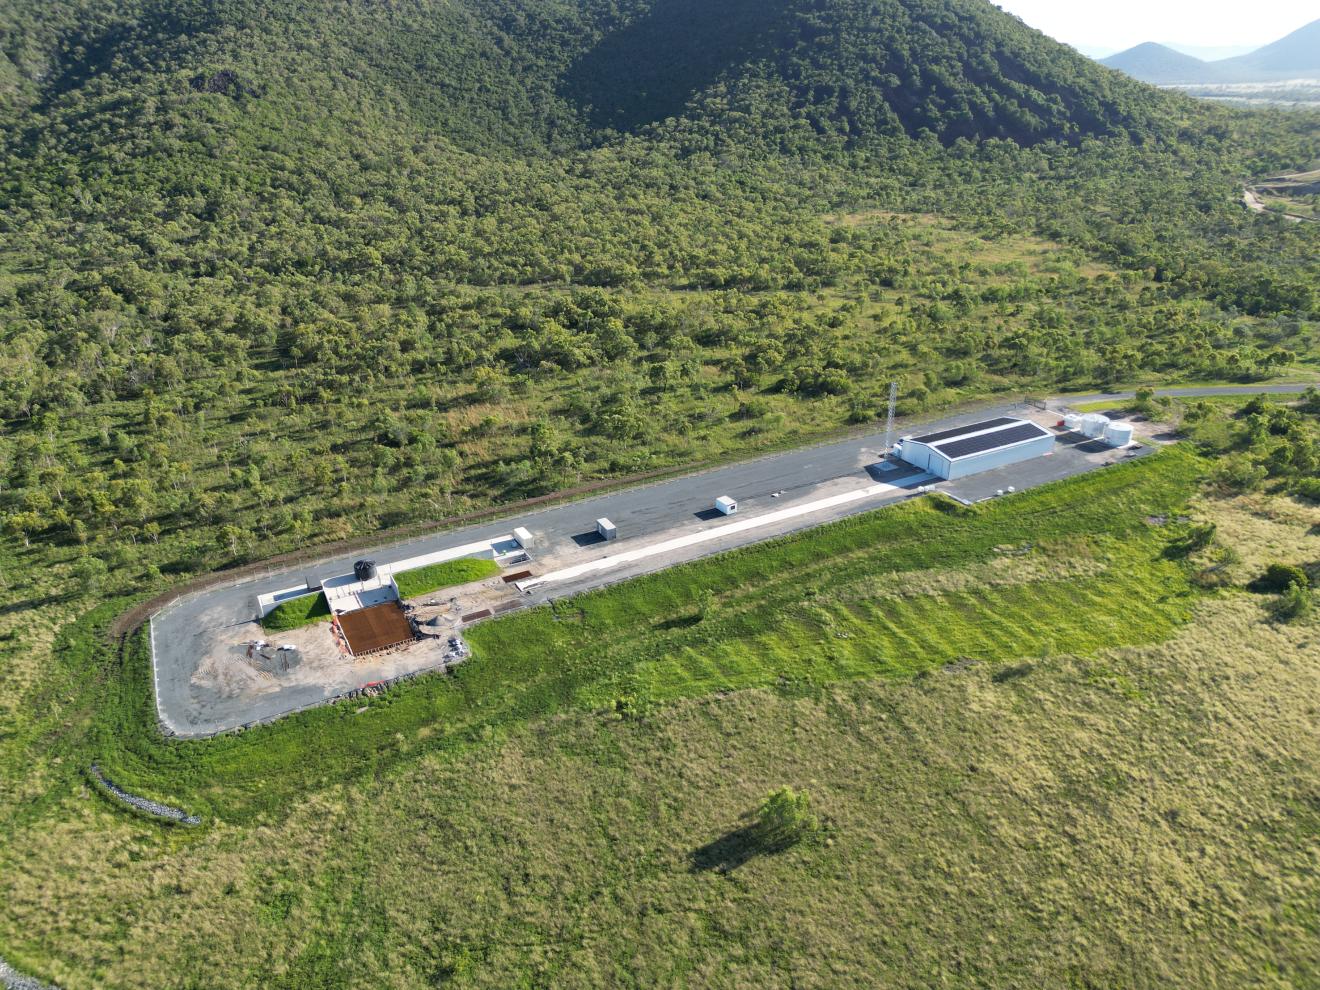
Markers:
point(297, 612)
point(496, 828)
point(797, 610)
point(422, 580)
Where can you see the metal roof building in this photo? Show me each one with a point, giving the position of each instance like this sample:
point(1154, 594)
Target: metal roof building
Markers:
point(966, 450)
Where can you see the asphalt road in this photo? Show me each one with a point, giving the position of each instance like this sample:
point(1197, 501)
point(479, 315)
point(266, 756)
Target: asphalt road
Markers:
point(1190, 392)
point(182, 631)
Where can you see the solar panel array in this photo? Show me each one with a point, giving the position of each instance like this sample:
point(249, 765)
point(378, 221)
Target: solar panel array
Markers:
point(989, 424)
point(989, 441)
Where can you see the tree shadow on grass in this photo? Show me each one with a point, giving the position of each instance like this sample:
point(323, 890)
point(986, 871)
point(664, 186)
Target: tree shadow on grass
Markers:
point(679, 622)
point(733, 849)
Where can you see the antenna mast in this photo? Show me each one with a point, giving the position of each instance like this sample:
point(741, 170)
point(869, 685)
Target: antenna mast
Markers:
point(889, 421)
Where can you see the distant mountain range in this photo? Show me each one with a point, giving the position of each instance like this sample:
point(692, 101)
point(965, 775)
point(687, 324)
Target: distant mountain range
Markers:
point(1296, 56)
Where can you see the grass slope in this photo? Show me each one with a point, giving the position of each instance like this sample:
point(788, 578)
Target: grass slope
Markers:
point(297, 612)
point(1141, 817)
point(421, 580)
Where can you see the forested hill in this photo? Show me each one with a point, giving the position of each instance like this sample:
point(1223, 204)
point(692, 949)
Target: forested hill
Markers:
point(467, 250)
point(528, 73)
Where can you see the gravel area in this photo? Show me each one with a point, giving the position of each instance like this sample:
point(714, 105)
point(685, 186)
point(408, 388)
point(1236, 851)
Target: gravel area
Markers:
point(12, 979)
point(153, 808)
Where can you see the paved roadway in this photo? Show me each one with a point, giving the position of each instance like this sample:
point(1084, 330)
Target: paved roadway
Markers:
point(1189, 392)
point(182, 632)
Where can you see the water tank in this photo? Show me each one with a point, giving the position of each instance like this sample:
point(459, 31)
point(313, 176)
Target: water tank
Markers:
point(1072, 421)
point(1118, 434)
point(1093, 425)
point(364, 570)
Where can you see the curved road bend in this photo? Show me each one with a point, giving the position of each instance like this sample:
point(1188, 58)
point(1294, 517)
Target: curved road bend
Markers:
point(184, 631)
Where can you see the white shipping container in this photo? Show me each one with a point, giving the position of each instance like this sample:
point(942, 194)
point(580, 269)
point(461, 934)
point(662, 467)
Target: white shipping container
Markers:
point(524, 538)
point(607, 529)
point(726, 505)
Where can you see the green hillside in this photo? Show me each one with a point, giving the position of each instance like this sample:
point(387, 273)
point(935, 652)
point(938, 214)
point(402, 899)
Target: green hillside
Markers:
point(485, 73)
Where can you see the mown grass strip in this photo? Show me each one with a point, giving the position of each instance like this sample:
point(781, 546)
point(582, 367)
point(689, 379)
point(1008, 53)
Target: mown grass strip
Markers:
point(424, 580)
point(297, 612)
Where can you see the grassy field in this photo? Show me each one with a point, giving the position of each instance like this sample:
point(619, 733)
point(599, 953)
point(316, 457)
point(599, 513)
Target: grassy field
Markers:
point(1046, 754)
point(1128, 799)
point(297, 612)
point(422, 580)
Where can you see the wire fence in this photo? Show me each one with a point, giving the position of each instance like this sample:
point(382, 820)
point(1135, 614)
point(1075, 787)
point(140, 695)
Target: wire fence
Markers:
point(314, 556)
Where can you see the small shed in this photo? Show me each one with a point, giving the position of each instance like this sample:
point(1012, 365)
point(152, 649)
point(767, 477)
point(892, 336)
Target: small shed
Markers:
point(607, 529)
point(726, 505)
point(524, 538)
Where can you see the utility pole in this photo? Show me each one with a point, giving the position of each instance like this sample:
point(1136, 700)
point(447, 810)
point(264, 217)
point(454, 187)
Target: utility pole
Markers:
point(889, 421)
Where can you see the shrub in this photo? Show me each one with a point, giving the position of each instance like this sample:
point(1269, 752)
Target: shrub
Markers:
point(297, 612)
point(1237, 474)
point(1197, 538)
point(1278, 577)
point(785, 819)
point(1294, 603)
point(1307, 488)
point(422, 580)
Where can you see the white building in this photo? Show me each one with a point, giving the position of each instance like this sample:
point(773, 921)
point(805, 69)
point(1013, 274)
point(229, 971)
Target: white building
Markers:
point(966, 450)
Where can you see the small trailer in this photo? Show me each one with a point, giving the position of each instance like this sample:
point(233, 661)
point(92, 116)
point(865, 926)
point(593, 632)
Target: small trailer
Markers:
point(725, 505)
point(524, 538)
point(607, 529)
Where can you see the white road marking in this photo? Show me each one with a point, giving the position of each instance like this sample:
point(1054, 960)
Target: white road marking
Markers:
point(720, 532)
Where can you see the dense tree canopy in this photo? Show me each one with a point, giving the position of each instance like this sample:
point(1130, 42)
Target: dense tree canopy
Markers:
point(479, 250)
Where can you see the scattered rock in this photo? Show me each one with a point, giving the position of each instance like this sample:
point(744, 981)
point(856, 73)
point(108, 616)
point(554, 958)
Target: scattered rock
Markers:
point(226, 82)
point(11, 979)
point(153, 808)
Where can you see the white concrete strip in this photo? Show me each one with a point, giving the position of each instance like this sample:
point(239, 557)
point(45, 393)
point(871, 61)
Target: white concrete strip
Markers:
point(720, 532)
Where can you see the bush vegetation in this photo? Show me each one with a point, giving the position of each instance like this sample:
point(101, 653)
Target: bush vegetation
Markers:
point(785, 818)
point(1294, 602)
point(1279, 577)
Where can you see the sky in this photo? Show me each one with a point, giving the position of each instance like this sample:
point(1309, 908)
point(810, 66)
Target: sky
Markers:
point(1112, 25)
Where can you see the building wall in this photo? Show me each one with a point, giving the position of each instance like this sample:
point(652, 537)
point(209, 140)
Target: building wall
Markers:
point(999, 458)
point(917, 454)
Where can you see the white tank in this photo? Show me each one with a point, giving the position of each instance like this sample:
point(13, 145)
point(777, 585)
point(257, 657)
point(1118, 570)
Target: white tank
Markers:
point(1093, 425)
point(1072, 421)
point(1118, 434)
